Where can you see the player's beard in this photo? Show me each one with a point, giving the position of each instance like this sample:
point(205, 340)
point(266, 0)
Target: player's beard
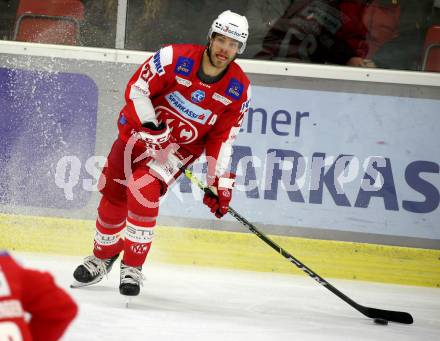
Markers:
point(217, 62)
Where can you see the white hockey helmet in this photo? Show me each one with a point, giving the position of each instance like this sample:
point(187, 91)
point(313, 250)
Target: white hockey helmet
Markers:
point(231, 25)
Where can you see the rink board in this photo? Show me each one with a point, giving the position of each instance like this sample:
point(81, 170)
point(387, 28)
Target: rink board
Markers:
point(377, 124)
point(177, 245)
point(61, 103)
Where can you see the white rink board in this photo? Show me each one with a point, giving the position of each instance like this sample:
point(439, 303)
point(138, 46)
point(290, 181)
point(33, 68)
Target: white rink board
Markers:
point(351, 111)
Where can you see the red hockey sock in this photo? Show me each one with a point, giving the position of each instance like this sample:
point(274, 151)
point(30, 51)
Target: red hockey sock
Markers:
point(138, 240)
point(109, 224)
point(143, 208)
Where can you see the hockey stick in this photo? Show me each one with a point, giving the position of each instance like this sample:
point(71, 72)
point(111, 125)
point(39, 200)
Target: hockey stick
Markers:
point(388, 315)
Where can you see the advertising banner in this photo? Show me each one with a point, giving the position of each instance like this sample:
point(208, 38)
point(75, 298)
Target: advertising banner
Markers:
point(45, 117)
point(344, 161)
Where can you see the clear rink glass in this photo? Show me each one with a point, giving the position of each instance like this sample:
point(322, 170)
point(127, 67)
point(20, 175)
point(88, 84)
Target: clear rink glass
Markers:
point(386, 34)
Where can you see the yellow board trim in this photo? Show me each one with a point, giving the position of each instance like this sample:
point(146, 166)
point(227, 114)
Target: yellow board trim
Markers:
point(330, 259)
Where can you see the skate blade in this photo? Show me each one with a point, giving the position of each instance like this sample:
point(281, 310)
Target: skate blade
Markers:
point(75, 284)
point(127, 301)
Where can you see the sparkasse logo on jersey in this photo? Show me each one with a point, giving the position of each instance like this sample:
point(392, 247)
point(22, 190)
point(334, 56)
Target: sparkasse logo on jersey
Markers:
point(187, 109)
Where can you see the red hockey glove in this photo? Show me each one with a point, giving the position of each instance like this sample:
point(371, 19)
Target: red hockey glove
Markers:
point(158, 140)
point(219, 203)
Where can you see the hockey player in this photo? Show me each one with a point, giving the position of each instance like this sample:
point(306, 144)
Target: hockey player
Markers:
point(33, 292)
point(183, 101)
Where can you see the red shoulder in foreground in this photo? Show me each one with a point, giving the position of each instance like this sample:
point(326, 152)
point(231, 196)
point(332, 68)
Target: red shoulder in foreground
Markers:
point(23, 290)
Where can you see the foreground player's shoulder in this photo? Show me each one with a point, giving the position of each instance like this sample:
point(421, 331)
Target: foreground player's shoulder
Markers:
point(6, 258)
point(10, 276)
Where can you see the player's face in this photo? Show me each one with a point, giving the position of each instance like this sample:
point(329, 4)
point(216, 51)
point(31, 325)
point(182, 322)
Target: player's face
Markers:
point(223, 50)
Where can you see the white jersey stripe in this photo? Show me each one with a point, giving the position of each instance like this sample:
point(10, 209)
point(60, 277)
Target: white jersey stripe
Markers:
point(143, 106)
point(140, 90)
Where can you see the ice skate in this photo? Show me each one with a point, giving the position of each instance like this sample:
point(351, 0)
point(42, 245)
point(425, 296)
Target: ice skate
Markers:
point(92, 271)
point(131, 280)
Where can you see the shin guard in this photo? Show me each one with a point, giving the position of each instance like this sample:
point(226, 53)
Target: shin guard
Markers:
point(139, 234)
point(109, 224)
point(143, 208)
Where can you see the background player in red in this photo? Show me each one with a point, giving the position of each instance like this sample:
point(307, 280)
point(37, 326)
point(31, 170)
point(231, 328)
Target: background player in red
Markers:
point(183, 101)
point(28, 291)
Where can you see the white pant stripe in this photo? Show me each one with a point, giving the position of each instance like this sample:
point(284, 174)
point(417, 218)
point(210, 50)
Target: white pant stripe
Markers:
point(110, 226)
point(143, 219)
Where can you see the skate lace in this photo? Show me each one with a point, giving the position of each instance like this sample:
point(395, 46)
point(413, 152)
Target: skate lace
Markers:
point(132, 275)
point(95, 265)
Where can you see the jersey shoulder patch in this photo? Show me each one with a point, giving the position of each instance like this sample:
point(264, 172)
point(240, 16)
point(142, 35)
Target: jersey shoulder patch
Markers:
point(186, 58)
point(235, 89)
point(238, 83)
point(184, 66)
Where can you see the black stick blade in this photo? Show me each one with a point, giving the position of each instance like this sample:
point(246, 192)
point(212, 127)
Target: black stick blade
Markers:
point(389, 315)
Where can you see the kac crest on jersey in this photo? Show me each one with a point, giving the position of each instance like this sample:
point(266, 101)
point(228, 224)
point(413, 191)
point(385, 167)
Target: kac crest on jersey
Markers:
point(234, 89)
point(184, 66)
point(182, 129)
point(198, 96)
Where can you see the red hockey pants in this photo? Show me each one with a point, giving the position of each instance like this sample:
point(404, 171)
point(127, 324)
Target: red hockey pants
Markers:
point(129, 206)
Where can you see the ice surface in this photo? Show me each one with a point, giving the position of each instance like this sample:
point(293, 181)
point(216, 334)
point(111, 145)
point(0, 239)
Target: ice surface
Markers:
point(195, 303)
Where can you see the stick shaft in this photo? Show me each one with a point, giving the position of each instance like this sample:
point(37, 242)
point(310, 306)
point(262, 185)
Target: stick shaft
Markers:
point(396, 316)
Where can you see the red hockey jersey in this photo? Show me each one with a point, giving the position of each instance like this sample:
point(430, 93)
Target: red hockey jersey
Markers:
point(202, 117)
point(23, 290)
